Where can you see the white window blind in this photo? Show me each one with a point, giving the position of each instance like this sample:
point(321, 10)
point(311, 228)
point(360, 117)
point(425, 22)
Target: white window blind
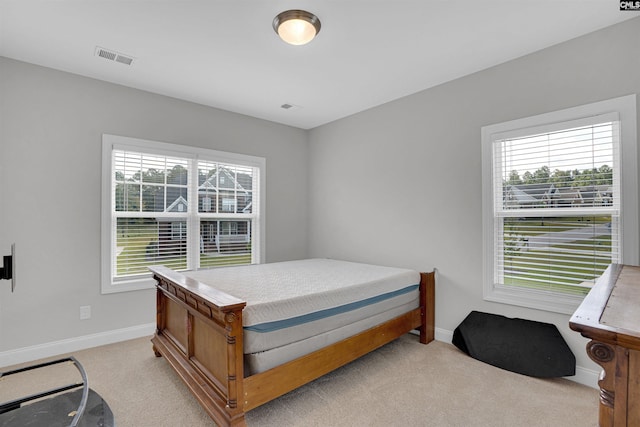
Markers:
point(176, 206)
point(556, 198)
point(226, 208)
point(151, 196)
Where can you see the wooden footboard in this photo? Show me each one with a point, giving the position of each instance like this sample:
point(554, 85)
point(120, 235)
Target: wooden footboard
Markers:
point(199, 332)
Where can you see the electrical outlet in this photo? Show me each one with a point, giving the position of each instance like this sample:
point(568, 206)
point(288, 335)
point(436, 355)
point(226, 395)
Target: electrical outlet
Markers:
point(85, 312)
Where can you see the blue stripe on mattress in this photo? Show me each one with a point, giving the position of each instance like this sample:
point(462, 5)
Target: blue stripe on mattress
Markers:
point(305, 318)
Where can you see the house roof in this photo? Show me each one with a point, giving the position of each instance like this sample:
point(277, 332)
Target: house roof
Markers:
point(223, 179)
point(520, 196)
point(524, 195)
point(531, 192)
point(178, 205)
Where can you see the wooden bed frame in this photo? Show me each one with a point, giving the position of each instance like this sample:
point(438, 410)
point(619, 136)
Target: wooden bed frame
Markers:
point(199, 332)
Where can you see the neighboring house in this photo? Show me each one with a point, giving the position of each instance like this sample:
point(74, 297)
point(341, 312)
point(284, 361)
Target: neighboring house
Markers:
point(224, 236)
point(547, 195)
point(603, 195)
point(589, 195)
point(567, 197)
point(172, 233)
point(225, 192)
point(222, 192)
point(178, 205)
point(529, 196)
point(592, 195)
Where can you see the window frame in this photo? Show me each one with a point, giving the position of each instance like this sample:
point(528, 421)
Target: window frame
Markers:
point(193, 217)
point(547, 300)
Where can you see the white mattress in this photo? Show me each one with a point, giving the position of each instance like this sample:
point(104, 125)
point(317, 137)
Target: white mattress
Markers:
point(285, 290)
point(257, 341)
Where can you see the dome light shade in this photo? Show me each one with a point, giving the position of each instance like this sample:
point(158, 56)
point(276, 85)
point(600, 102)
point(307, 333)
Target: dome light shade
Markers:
point(296, 27)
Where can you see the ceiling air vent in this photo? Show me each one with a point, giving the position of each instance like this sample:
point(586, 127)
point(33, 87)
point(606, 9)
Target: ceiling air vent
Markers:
point(288, 106)
point(113, 56)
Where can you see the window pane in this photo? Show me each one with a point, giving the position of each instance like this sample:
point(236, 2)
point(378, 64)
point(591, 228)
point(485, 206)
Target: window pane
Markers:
point(142, 242)
point(207, 202)
point(177, 199)
point(553, 172)
point(244, 186)
point(224, 188)
point(152, 198)
point(566, 169)
point(127, 166)
point(141, 182)
point(245, 179)
point(245, 202)
point(177, 172)
point(225, 242)
point(207, 187)
point(564, 253)
point(127, 197)
point(153, 169)
point(227, 201)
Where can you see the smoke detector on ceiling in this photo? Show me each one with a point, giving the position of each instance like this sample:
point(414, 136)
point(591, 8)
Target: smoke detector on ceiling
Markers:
point(114, 56)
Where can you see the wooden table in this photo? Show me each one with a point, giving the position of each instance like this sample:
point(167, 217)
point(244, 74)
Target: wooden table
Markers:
point(610, 317)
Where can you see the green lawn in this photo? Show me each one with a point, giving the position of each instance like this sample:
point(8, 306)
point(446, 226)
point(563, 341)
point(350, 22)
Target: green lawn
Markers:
point(137, 250)
point(222, 260)
point(570, 263)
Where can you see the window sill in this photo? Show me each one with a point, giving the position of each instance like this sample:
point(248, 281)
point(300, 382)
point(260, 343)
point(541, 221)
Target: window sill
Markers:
point(531, 298)
point(143, 283)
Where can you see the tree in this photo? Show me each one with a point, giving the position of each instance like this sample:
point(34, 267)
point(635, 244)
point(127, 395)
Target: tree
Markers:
point(541, 176)
point(153, 175)
point(562, 178)
point(514, 178)
point(602, 175)
point(605, 175)
point(177, 175)
point(586, 178)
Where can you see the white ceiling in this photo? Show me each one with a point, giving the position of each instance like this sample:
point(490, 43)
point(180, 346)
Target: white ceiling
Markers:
point(225, 54)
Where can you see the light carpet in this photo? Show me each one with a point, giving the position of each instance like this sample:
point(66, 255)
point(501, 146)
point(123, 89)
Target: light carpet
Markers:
point(404, 383)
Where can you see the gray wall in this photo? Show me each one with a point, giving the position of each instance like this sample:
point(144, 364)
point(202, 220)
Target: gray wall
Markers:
point(400, 184)
point(50, 172)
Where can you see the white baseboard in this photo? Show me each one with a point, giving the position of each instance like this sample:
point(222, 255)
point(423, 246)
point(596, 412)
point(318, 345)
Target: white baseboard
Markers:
point(439, 335)
point(443, 335)
point(585, 376)
point(28, 354)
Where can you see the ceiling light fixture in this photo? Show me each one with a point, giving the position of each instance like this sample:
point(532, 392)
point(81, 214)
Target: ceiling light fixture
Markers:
point(296, 27)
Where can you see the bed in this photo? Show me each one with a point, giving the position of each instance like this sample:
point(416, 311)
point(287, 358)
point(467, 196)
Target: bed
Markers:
point(242, 336)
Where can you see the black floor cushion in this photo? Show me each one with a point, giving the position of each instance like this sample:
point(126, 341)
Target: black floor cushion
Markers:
point(518, 345)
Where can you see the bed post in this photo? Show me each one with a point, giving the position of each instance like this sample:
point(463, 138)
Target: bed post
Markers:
point(427, 303)
point(159, 317)
point(235, 366)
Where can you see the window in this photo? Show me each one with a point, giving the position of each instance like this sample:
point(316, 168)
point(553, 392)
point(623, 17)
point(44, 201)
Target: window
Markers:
point(559, 203)
point(228, 205)
point(183, 207)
